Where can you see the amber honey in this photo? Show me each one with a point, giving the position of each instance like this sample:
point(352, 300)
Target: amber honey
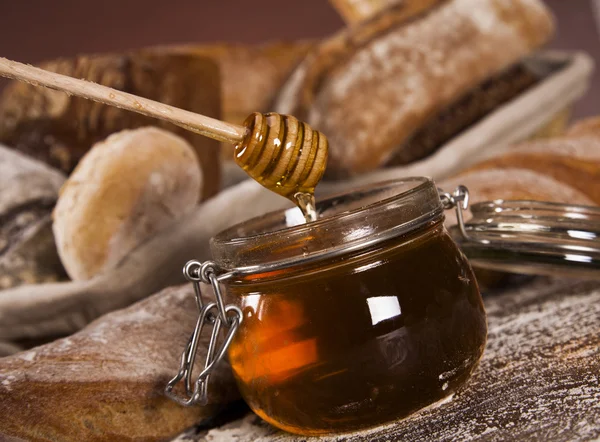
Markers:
point(359, 338)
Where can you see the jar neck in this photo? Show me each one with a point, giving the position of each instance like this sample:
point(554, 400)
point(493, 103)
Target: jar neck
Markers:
point(348, 224)
point(361, 257)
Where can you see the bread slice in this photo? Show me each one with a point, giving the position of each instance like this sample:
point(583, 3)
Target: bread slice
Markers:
point(373, 86)
point(59, 129)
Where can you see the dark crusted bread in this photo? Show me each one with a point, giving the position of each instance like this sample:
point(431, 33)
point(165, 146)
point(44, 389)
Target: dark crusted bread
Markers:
point(467, 111)
point(59, 129)
point(251, 75)
point(372, 87)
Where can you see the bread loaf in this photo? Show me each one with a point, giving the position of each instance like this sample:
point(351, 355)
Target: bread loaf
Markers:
point(28, 191)
point(37, 311)
point(59, 129)
point(106, 382)
point(373, 87)
point(589, 126)
point(123, 191)
point(251, 75)
point(354, 11)
point(563, 169)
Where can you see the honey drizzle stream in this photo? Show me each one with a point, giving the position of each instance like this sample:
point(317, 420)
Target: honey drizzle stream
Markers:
point(306, 204)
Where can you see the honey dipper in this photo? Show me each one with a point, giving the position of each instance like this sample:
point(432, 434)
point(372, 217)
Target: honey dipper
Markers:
point(278, 151)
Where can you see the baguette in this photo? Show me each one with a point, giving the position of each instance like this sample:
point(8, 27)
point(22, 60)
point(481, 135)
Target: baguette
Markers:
point(374, 86)
point(106, 382)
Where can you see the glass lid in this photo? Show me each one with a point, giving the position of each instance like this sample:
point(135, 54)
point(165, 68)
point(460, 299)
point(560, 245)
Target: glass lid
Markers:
point(528, 237)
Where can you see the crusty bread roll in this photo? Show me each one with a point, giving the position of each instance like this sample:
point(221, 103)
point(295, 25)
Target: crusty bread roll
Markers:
point(373, 86)
point(506, 182)
point(563, 169)
point(106, 382)
point(32, 312)
point(123, 191)
point(59, 129)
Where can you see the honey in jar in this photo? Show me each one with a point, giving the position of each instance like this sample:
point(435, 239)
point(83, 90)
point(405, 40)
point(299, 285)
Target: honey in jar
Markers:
point(357, 319)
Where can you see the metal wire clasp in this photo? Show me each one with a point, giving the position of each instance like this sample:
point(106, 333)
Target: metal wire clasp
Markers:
point(458, 200)
point(216, 314)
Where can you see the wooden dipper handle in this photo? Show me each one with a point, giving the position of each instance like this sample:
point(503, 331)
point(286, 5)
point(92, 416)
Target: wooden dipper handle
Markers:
point(278, 151)
point(210, 127)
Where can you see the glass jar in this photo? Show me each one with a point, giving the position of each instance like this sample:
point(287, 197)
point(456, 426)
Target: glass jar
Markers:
point(362, 317)
point(532, 237)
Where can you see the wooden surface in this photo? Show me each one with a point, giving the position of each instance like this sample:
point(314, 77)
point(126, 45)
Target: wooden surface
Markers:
point(539, 378)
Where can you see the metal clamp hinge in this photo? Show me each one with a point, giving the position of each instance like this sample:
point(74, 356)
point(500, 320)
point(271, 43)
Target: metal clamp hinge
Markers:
point(458, 200)
point(216, 314)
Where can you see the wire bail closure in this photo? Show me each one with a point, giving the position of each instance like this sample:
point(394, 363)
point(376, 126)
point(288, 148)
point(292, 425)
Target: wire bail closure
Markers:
point(458, 200)
point(216, 314)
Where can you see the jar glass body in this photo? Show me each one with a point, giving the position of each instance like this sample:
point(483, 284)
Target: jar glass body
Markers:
point(360, 337)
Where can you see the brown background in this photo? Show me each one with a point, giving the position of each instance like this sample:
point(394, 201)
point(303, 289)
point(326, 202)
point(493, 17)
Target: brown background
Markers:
point(34, 30)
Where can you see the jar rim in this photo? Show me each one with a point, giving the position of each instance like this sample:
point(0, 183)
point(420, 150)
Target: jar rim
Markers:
point(536, 209)
point(352, 220)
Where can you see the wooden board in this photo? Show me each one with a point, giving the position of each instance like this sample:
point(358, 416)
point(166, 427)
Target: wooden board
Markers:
point(539, 378)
